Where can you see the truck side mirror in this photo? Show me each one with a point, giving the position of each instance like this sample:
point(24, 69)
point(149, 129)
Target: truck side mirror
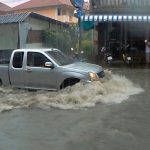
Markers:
point(49, 65)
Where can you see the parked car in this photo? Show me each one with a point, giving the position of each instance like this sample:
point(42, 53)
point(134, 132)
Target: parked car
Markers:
point(46, 69)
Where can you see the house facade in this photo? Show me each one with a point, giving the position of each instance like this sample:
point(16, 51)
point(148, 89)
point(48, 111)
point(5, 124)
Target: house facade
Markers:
point(61, 10)
point(120, 22)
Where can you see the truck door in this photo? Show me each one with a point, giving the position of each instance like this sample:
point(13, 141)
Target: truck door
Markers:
point(36, 75)
point(16, 69)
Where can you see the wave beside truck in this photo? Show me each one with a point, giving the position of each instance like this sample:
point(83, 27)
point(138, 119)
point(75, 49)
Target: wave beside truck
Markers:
point(48, 69)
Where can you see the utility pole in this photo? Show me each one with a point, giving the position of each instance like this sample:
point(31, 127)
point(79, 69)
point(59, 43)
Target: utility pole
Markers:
point(79, 34)
point(78, 4)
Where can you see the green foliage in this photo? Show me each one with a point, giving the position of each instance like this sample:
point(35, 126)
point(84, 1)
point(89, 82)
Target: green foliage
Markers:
point(62, 38)
point(87, 47)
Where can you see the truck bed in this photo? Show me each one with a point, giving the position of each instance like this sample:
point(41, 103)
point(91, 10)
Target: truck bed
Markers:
point(4, 74)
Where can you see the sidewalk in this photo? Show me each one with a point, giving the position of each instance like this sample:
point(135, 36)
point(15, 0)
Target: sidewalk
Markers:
point(121, 64)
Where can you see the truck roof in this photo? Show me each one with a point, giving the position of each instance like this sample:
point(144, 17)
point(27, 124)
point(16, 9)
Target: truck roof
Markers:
point(36, 49)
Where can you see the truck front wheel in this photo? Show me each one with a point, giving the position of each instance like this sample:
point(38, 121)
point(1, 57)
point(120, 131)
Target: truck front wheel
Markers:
point(69, 82)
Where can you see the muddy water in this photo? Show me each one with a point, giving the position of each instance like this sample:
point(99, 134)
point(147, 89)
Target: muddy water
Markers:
point(113, 89)
point(114, 123)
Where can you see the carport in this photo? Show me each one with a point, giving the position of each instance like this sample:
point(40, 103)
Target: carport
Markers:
point(116, 30)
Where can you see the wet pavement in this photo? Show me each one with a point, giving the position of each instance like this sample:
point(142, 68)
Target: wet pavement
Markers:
point(121, 126)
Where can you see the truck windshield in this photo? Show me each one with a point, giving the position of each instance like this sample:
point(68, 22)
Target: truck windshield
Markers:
point(60, 58)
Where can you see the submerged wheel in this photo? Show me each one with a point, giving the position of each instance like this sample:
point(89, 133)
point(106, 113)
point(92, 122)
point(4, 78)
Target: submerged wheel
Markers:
point(69, 82)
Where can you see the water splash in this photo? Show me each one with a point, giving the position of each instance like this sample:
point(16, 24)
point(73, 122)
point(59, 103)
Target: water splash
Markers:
point(112, 89)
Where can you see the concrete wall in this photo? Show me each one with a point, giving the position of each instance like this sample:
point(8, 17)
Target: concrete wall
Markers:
point(9, 36)
point(35, 24)
point(35, 45)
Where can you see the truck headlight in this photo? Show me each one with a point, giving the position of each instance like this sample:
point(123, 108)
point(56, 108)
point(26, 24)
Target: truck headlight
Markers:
point(93, 76)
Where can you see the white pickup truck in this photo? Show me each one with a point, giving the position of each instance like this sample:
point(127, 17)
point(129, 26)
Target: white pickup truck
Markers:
point(46, 69)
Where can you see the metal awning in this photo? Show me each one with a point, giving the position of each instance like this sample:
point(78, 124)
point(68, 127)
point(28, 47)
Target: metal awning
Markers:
point(115, 18)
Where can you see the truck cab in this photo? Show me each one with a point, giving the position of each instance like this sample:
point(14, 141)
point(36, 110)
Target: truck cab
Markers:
point(47, 69)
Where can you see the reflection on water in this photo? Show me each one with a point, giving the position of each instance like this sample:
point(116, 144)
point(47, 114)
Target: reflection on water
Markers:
point(113, 89)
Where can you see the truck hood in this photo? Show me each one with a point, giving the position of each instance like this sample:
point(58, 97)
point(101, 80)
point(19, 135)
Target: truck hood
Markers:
point(82, 66)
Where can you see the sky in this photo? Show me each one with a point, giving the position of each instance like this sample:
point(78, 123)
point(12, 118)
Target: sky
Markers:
point(13, 3)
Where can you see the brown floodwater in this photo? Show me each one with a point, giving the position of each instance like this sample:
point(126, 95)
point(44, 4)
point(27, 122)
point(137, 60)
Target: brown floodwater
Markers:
point(114, 88)
point(113, 115)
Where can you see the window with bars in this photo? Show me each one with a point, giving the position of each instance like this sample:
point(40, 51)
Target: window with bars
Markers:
point(59, 12)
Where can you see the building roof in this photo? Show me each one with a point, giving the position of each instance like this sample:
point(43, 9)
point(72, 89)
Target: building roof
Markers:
point(21, 17)
point(41, 3)
point(3, 7)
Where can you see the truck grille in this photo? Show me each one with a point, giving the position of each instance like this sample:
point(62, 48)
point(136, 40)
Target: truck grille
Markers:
point(101, 74)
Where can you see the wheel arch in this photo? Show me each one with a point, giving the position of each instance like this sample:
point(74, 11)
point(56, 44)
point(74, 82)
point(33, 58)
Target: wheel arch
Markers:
point(1, 82)
point(69, 82)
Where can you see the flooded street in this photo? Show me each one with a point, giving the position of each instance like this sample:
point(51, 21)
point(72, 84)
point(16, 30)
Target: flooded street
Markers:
point(112, 115)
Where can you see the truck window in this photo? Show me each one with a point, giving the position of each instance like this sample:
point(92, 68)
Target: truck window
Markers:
point(18, 59)
point(35, 59)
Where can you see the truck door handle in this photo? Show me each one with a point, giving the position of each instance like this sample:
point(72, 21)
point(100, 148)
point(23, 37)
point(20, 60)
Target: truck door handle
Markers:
point(28, 70)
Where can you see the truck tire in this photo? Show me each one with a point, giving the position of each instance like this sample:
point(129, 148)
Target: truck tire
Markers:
point(1, 83)
point(69, 82)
